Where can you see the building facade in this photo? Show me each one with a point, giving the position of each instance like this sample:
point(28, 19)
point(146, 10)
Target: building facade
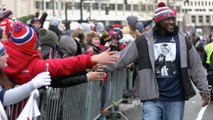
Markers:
point(190, 13)
point(198, 14)
point(98, 10)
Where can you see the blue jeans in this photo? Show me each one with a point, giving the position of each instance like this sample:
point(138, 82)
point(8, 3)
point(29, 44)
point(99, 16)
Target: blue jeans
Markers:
point(163, 110)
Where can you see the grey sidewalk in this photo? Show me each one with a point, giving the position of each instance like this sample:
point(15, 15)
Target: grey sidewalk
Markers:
point(132, 110)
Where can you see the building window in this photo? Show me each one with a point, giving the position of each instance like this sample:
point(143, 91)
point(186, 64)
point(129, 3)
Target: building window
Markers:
point(38, 4)
point(150, 8)
point(128, 7)
point(49, 5)
point(86, 6)
point(193, 19)
point(57, 5)
point(207, 19)
point(112, 6)
point(62, 5)
point(200, 19)
point(69, 5)
point(103, 6)
point(95, 6)
point(120, 7)
point(143, 7)
point(135, 8)
point(77, 6)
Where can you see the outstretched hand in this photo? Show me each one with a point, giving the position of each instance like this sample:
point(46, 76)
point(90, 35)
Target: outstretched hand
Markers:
point(96, 75)
point(205, 98)
point(106, 57)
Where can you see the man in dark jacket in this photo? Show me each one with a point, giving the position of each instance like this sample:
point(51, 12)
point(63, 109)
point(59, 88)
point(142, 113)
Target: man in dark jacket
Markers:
point(164, 95)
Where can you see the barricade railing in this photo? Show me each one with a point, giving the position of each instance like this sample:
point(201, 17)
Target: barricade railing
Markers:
point(81, 102)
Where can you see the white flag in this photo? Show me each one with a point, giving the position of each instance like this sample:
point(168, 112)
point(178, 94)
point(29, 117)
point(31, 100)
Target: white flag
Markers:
point(30, 111)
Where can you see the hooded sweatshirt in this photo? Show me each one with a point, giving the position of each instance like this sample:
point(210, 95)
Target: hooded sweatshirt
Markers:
point(24, 64)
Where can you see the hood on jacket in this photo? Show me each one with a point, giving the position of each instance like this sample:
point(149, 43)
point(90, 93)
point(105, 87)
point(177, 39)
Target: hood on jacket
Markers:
point(21, 57)
point(67, 45)
point(79, 34)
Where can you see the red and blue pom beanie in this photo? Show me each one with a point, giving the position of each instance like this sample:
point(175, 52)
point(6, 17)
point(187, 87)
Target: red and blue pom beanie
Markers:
point(162, 12)
point(23, 36)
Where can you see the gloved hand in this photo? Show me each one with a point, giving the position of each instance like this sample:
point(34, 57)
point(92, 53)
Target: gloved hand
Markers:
point(42, 79)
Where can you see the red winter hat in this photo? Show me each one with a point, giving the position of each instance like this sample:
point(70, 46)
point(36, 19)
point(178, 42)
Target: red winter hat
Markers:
point(163, 12)
point(23, 36)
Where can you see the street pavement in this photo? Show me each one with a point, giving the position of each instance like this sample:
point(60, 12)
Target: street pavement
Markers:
point(193, 110)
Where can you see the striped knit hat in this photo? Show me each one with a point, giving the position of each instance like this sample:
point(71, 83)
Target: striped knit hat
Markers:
point(23, 36)
point(4, 12)
point(163, 12)
point(2, 49)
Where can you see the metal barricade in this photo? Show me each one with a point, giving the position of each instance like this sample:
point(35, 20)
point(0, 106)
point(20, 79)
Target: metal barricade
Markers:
point(116, 83)
point(81, 102)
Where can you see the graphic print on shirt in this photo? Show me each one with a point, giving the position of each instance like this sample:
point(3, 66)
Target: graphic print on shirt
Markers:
point(165, 54)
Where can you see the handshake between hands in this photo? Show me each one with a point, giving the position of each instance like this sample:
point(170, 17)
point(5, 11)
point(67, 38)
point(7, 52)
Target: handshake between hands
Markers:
point(106, 57)
point(97, 73)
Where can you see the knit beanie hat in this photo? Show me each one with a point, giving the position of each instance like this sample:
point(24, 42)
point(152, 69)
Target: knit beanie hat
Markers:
point(48, 37)
point(132, 21)
point(85, 27)
point(163, 12)
point(75, 25)
point(113, 34)
point(23, 36)
point(4, 13)
point(99, 27)
point(55, 21)
point(120, 33)
point(34, 20)
point(2, 49)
